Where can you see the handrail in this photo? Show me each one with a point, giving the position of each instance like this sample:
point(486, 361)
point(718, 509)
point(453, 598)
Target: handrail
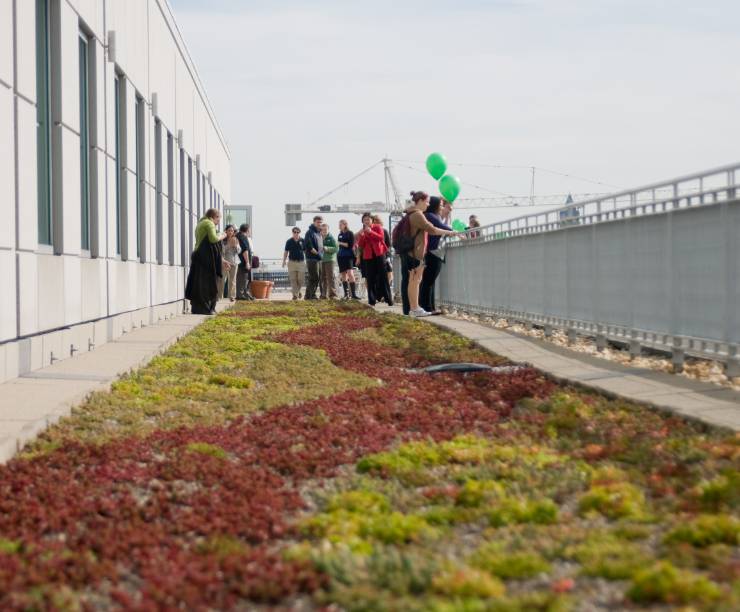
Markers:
point(583, 212)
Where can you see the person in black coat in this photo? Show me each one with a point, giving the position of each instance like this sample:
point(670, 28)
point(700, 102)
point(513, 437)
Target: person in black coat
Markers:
point(244, 273)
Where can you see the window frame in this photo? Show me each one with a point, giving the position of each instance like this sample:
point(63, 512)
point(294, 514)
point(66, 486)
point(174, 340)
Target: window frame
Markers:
point(119, 95)
point(85, 175)
point(140, 171)
point(45, 211)
point(170, 199)
point(158, 221)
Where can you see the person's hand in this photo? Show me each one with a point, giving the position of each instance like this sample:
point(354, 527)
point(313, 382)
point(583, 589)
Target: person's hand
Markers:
point(284, 264)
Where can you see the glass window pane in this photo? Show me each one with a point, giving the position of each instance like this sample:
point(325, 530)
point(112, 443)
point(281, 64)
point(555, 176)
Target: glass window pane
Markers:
point(117, 97)
point(139, 172)
point(43, 122)
point(158, 187)
point(84, 147)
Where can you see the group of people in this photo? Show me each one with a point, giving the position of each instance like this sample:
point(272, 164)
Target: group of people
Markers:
point(316, 255)
point(219, 258)
point(226, 257)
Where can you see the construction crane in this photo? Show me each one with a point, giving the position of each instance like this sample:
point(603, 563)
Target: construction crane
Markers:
point(395, 202)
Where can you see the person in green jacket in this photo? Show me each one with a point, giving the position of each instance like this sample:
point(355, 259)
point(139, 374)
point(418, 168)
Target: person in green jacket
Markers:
point(328, 260)
point(206, 265)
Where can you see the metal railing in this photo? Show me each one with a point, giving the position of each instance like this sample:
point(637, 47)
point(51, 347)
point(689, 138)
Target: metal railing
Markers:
point(656, 266)
point(699, 189)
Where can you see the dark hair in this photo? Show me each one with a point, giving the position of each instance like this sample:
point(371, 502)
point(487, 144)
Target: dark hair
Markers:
point(229, 226)
point(318, 218)
point(296, 229)
point(435, 204)
point(212, 213)
point(367, 214)
point(417, 196)
point(244, 227)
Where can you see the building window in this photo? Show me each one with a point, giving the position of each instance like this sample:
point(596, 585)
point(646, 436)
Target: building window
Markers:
point(171, 199)
point(120, 103)
point(43, 122)
point(84, 142)
point(140, 175)
point(190, 205)
point(198, 194)
point(183, 217)
point(158, 187)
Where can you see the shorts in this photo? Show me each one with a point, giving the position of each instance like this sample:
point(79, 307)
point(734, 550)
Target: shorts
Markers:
point(409, 262)
point(345, 263)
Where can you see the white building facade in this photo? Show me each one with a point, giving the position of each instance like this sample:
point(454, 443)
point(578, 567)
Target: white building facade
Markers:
point(110, 153)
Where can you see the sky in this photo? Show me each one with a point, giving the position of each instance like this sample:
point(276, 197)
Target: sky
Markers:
point(308, 94)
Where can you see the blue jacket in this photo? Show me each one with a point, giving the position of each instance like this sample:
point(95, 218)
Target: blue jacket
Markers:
point(313, 240)
point(436, 221)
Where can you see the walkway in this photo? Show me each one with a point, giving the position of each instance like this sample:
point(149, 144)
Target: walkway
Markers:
point(693, 399)
point(33, 402)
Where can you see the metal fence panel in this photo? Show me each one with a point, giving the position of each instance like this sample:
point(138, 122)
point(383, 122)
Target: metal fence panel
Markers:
point(670, 275)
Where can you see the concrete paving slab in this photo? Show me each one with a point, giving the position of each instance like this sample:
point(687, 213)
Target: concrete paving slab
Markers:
point(690, 398)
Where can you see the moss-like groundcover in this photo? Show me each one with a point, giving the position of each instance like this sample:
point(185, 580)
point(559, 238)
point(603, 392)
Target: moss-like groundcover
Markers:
point(284, 455)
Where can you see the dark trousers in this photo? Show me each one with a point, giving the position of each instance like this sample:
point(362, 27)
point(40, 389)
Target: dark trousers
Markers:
point(243, 277)
point(405, 284)
point(377, 281)
point(432, 268)
point(312, 267)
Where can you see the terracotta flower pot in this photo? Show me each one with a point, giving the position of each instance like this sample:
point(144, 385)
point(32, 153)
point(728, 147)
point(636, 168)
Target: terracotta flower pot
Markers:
point(261, 289)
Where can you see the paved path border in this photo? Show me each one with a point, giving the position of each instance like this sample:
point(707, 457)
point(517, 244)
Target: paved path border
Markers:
point(692, 399)
point(38, 399)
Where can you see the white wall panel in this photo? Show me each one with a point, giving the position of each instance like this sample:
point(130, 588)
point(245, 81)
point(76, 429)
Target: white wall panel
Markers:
point(28, 295)
point(8, 314)
point(7, 169)
point(130, 217)
point(25, 15)
point(6, 41)
point(71, 189)
point(94, 290)
point(110, 206)
point(70, 66)
point(91, 12)
point(27, 184)
point(50, 292)
point(72, 289)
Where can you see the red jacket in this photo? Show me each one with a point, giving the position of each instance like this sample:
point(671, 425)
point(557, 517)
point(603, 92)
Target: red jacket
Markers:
point(372, 243)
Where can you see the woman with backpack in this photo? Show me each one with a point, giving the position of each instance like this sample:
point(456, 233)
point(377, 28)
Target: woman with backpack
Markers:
point(433, 260)
point(410, 242)
point(371, 244)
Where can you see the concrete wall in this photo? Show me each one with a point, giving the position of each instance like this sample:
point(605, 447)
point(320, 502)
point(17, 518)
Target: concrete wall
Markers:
point(52, 290)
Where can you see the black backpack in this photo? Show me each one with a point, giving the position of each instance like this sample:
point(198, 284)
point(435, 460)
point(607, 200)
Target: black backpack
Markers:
point(401, 239)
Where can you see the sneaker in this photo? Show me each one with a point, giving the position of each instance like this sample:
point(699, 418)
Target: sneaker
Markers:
point(419, 312)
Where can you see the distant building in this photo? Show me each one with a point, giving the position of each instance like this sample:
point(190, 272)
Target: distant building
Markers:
point(238, 215)
point(569, 216)
point(111, 152)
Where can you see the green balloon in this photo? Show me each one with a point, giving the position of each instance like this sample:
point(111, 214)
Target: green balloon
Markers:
point(449, 187)
point(458, 225)
point(436, 165)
